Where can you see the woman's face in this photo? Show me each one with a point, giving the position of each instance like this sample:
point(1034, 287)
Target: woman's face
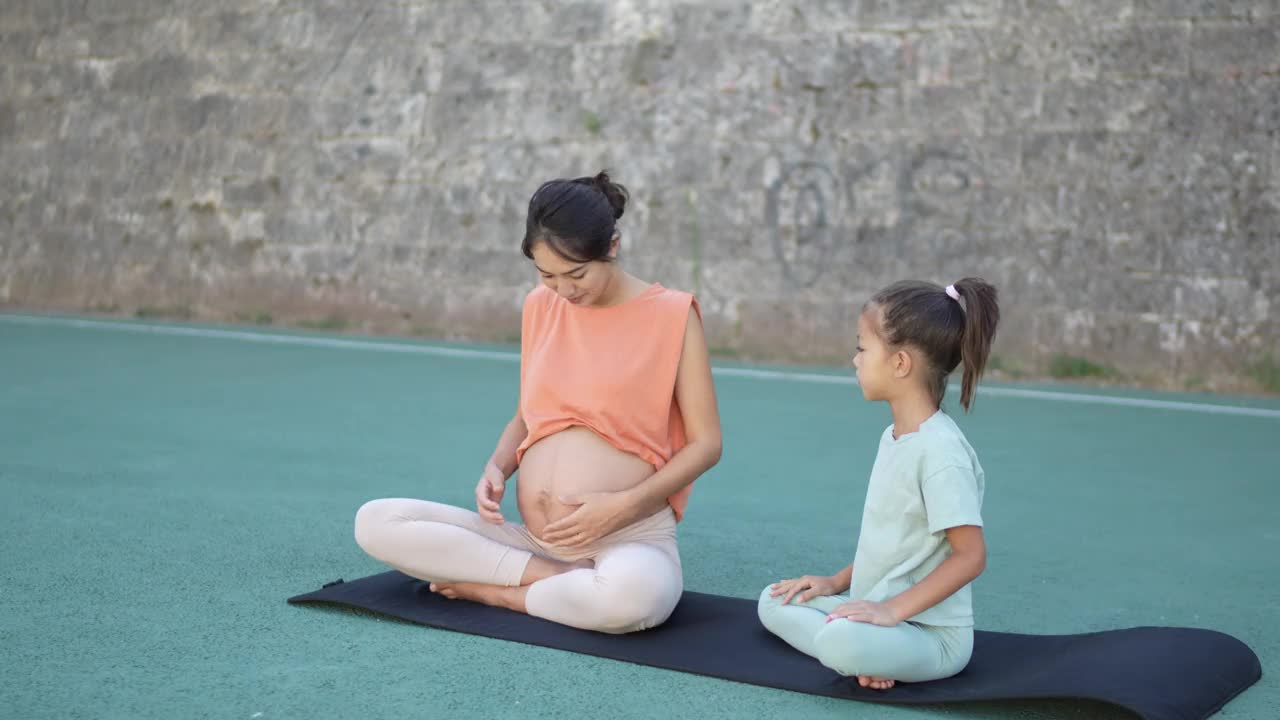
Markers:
point(581, 283)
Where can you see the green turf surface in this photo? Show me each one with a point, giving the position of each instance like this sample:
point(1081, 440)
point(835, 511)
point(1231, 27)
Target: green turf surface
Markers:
point(164, 494)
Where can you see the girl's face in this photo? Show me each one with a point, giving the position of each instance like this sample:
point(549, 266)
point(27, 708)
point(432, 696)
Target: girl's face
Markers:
point(874, 361)
point(581, 283)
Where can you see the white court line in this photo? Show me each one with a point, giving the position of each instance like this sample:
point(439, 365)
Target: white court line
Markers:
point(435, 350)
point(267, 338)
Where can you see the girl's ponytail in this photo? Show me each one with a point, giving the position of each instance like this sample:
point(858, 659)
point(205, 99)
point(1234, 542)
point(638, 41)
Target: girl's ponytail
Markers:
point(981, 314)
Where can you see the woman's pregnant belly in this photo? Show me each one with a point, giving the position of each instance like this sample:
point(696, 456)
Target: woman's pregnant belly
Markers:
point(571, 462)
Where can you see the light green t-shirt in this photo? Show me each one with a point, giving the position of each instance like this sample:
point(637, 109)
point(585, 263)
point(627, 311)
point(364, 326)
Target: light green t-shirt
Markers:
point(921, 484)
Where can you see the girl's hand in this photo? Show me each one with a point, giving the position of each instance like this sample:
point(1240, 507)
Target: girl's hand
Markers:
point(598, 514)
point(489, 494)
point(808, 587)
point(865, 611)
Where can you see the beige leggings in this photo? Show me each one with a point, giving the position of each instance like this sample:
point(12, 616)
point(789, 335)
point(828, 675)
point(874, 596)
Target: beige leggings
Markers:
point(635, 584)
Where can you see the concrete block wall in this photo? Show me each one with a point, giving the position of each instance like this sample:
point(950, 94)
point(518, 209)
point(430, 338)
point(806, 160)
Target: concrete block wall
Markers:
point(1114, 168)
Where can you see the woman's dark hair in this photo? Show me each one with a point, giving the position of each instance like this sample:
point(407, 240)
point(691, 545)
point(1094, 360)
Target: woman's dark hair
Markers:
point(575, 218)
point(947, 330)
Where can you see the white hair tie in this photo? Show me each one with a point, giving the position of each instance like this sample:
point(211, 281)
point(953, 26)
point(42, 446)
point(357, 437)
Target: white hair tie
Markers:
point(955, 295)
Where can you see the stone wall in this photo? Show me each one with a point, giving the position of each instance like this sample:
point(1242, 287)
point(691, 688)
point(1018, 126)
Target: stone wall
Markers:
point(1113, 167)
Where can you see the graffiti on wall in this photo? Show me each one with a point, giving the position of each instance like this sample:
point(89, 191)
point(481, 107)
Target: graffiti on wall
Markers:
point(812, 208)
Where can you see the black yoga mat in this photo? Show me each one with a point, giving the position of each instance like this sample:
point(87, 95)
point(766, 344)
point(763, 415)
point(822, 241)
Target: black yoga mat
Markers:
point(1160, 673)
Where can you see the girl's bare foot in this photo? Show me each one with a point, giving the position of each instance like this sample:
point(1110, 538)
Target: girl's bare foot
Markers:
point(875, 683)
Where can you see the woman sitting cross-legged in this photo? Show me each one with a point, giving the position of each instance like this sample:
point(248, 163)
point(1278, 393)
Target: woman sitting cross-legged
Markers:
point(616, 418)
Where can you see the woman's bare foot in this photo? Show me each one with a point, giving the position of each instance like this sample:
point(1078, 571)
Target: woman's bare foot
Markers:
point(511, 598)
point(540, 568)
point(875, 683)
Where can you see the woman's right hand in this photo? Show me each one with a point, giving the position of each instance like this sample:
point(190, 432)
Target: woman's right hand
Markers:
point(489, 494)
point(804, 588)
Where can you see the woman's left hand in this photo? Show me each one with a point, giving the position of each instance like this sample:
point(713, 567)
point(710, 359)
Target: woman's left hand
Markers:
point(865, 611)
point(598, 514)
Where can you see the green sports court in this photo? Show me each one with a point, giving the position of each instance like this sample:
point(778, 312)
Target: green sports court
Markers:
point(167, 486)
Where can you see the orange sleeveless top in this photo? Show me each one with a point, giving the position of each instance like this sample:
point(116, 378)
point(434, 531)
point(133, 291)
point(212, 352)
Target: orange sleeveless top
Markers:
point(611, 370)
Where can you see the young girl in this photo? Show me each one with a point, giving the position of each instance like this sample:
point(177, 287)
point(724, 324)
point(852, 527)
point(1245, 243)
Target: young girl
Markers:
point(908, 613)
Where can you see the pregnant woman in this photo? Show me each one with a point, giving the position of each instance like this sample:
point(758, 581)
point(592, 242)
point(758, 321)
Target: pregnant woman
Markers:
point(616, 418)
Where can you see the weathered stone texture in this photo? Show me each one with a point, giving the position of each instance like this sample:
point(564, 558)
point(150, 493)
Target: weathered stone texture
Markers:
point(1113, 167)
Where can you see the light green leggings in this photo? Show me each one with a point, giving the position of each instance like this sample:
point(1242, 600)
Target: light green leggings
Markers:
point(909, 652)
